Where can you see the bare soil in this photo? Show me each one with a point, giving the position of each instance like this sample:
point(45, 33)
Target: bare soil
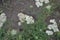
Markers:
point(13, 7)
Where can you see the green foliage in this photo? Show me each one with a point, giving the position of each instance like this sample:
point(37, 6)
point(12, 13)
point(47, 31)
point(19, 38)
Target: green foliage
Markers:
point(36, 31)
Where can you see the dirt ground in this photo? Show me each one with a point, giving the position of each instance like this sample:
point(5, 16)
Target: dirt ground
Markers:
point(16, 6)
point(13, 7)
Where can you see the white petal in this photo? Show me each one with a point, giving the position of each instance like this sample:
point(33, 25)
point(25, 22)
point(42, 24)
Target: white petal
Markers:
point(1, 24)
point(52, 21)
point(41, 0)
point(50, 27)
point(13, 32)
point(38, 4)
point(46, 1)
point(37, 0)
point(48, 7)
point(49, 32)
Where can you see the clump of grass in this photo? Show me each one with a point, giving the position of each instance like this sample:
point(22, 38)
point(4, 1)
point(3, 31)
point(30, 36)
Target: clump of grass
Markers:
point(36, 31)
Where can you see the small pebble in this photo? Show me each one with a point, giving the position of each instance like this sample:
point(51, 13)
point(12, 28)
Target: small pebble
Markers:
point(31, 6)
point(19, 23)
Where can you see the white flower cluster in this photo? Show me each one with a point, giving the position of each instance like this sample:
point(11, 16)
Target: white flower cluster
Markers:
point(13, 32)
point(49, 32)
point(23, 17)
point(48, 7)
point(40, 2)
point(29, 19)
point(2, 19)
point(53, 26)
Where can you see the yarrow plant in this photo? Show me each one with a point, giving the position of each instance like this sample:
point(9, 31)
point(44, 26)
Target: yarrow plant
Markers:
point(39, 3)
point(13, 32)
point(2, 19)
point(23, 17)
point(53, 26)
